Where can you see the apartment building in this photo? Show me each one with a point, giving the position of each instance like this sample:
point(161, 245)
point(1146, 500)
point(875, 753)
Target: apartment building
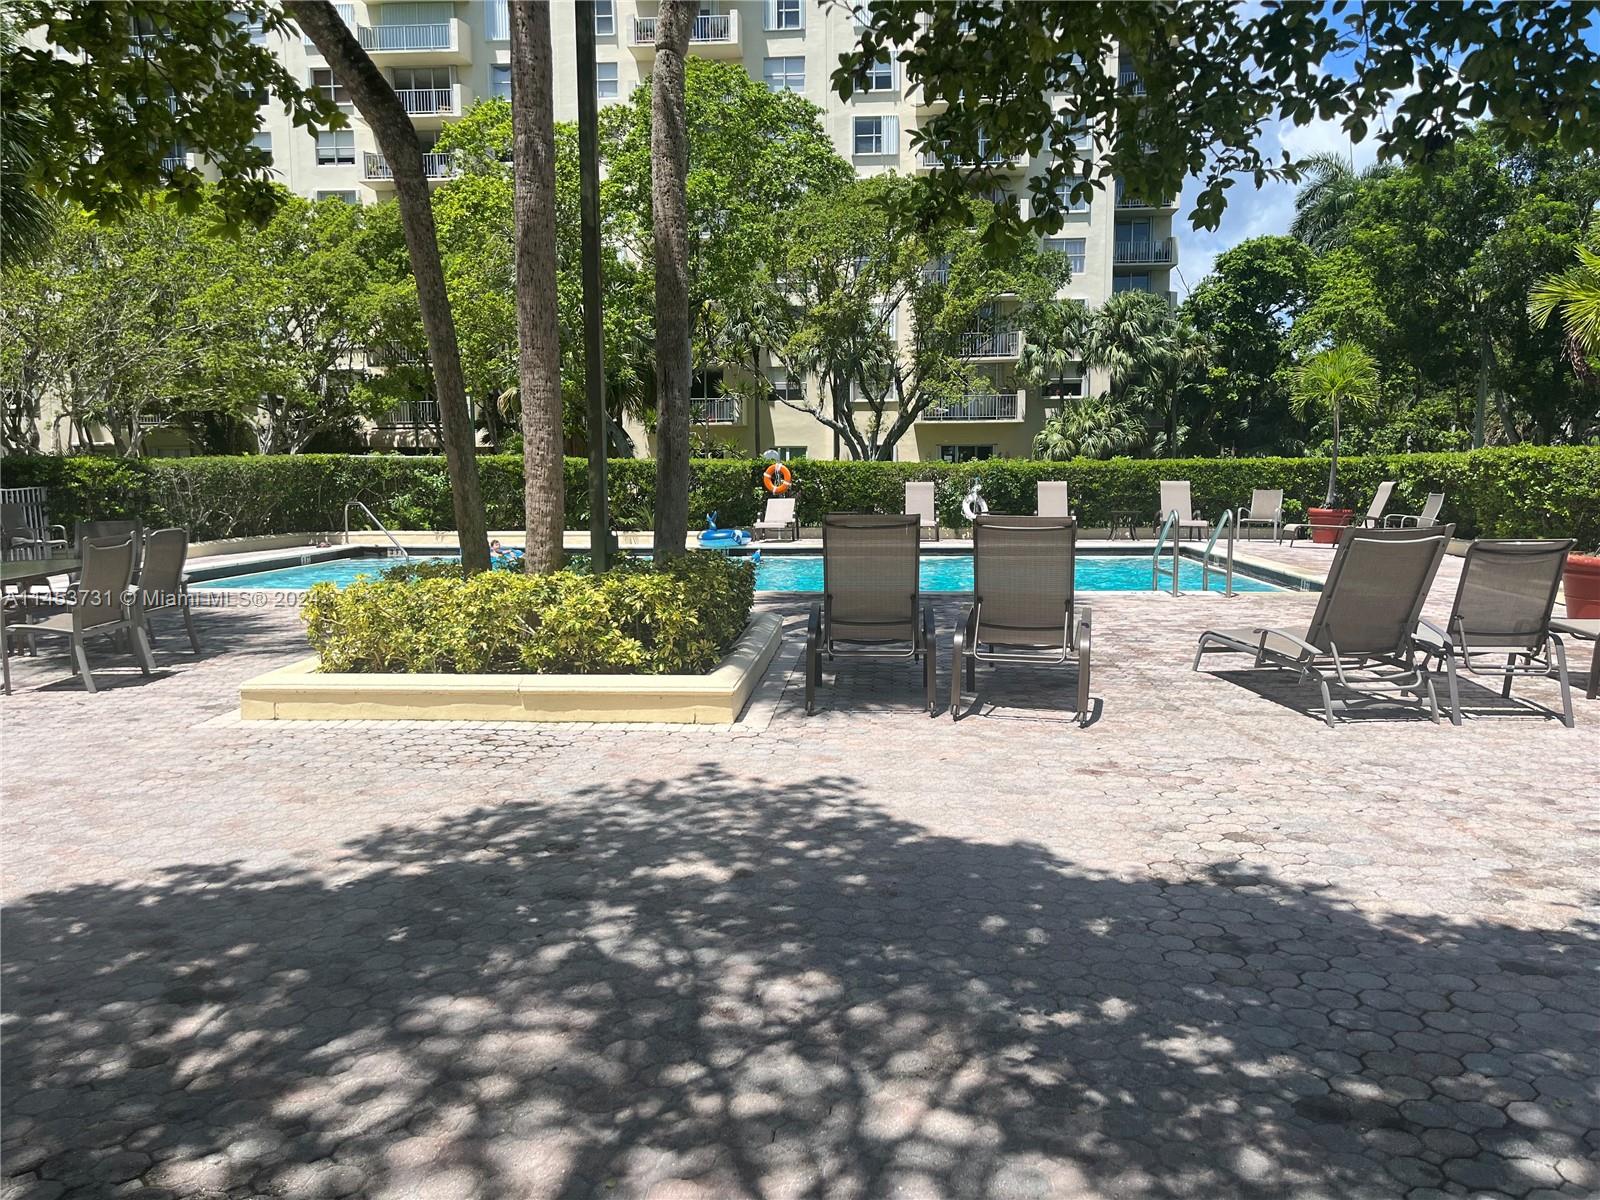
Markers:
point(444, 55)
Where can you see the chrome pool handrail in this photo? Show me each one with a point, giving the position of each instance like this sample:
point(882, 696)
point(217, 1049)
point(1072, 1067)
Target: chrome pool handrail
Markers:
point(1170, 525)
point(373, 518)
point(1225, 521)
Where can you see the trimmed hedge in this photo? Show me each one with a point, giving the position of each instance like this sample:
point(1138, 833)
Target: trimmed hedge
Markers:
point(678, 617)
point(1518, 491)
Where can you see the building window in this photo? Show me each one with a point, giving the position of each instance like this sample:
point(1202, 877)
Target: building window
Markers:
point(705, 385)
point(785, 74)
point(1131, 282)
point(263, 142)
point(877, 135)
point(786, 387)
point(965, 453)
point(1073, 249)
point(785, 14)
point(880, 77)
point(336, 147)
point(788, 453)
point(1064, 197)
point(347, 195)
point(499, 22)
point(1069, 387)
point(322, 78)
point(605, 18)
point(605, 81)
point(500, 82)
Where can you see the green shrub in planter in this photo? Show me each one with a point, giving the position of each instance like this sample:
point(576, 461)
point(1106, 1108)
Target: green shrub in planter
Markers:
point(641, 618)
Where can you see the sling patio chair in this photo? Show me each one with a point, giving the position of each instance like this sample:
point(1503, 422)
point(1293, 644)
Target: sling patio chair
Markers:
point(1053, 500)
point(1380, 501)
point(1427, 517)
point(1024, 610)
point(779, 518)
point(920, 503)
point(1365, 622)
point(17, 535)
point(1266, 508)
point(161, 582)
point(1175, 499)
point(1502, 613)
point(871, 603)
point(99, 604)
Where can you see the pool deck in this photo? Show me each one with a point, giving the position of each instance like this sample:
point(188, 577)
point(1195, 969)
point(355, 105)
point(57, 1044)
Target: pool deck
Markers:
point(1205, 947)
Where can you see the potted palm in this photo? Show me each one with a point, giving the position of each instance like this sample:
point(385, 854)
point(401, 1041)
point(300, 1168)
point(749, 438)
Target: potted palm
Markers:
point(1341, 381)
point(1575, 294)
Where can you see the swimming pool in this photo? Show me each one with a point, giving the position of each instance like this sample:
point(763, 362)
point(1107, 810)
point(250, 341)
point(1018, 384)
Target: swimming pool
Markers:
point(787, 573)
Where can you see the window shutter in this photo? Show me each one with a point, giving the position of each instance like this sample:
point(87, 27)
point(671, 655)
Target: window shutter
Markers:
point(772, 14)
point(891, 135)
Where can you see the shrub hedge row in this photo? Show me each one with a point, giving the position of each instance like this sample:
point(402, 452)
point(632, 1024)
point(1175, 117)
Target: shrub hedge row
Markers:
point(1519, 491)
point(643, 618)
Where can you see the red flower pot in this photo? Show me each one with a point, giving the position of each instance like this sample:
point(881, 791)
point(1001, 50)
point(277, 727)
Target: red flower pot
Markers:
point(1327, 522)
point(1582, 585)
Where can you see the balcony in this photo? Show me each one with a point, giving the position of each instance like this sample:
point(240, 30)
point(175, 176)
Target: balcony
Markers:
point(1128, 80)
point(431, 102)
point(928, 160)
point(375, 168)
point(715, 35)
point(720, 410)
point(1126, 202)
point(172, 162)
point(434, 44)
point(1156, 252)
point(978, 406)
point(991, 344)
point(347, 14)
point(408, 414)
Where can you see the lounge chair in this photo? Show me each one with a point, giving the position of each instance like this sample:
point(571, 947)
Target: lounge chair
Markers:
point(1365, 622)
point(17, 535)
point(871, 605)
point(1502, 612)
point(920, 504)
point(1053, 499)
point(98, 605)
point(779, 518)
point(1585, 629)
point(1175, 499)
point(1266, 508)
point(1429, 515)
point(1380, 501)
point(1024, 612)
point(161, 581)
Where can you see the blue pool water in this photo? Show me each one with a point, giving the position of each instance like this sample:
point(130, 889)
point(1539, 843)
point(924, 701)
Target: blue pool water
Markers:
point(790, 573)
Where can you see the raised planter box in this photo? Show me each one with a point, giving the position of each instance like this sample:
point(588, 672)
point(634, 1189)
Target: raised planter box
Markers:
point(299, 692)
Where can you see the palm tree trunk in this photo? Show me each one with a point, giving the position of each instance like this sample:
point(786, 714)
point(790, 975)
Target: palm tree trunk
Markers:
point(539, 350)
point(1333, 463)
point(377, 103)
point(669, 202)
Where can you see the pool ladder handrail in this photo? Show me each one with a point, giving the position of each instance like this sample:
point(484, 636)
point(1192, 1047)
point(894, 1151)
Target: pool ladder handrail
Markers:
point(1170, 525)
point(348, 504)
point(1228, 522)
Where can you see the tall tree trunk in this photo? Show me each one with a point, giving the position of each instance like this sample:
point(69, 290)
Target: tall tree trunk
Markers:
point(669, 203)
point(533, 154)
point(381, 109)
point(1333, 465)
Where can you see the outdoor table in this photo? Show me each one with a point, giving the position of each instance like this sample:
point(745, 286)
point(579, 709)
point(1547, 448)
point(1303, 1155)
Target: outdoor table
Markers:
point(1124, 518)
point(20, 573)
point(1586, 629)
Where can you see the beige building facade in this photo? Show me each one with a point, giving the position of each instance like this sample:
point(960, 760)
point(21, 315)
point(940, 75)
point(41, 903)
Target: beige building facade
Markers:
point(443, 56)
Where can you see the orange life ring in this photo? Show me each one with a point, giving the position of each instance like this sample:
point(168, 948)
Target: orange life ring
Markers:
point(778, 478)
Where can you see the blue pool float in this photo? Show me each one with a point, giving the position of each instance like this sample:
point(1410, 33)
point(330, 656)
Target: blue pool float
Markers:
point(721, 538)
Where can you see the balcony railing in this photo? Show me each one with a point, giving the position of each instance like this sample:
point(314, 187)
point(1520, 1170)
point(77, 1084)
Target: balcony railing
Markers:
point(173, 161)
point(931, 158)
point(422, 102)
point(407, 37)
point(994, 406)
point(723, 410)
point(435, 165)
point(1158, 252)
point(1128, 80)
point(1124, 200)
point(347, 14)
point(709, 27)
point(411, 413)
point(1000, 344)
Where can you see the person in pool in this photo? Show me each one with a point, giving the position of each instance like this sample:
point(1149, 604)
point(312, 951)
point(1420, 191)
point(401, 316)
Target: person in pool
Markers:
point(500, 555)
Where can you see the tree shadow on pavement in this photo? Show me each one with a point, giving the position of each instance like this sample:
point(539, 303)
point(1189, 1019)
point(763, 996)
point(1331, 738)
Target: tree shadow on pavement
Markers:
point(704, 989)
